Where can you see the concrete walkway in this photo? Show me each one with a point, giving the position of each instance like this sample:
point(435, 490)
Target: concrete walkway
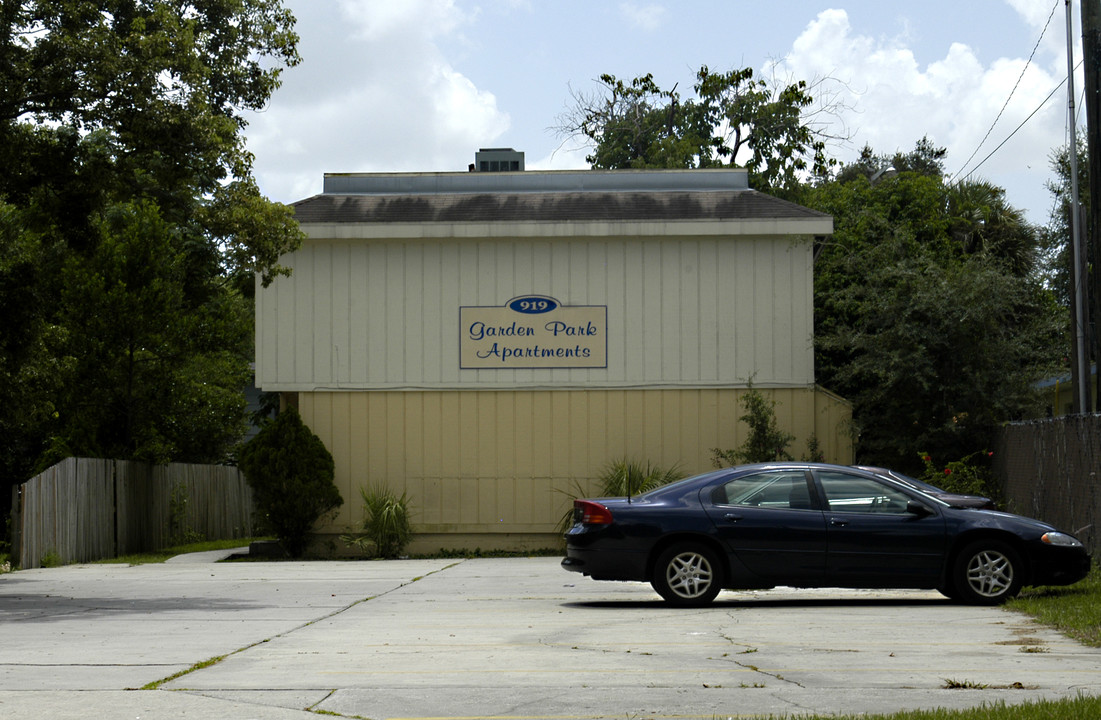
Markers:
point(515, 638)
point(210, 556)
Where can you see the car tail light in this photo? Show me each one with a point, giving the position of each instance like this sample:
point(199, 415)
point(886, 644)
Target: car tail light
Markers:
point(591, 513)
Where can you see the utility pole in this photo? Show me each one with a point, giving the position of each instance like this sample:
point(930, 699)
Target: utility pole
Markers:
point(1091, 63)
point(1078, 275)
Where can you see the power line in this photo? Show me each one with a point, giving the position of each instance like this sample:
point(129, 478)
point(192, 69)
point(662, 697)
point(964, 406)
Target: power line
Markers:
point(1011, 93)
point(1016, 129)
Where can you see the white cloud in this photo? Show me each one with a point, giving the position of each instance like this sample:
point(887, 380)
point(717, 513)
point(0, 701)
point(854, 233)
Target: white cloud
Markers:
point(378, 97)
point(646, 17)
point(379, 20)
point(954, 101)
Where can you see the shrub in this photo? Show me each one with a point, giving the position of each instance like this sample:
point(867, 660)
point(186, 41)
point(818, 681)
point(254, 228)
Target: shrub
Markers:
point(814, 450)
point(624, 478)
point(291, 474)
point(386, 526)
point(766, 441)
point(970, 475)
point(180, 531)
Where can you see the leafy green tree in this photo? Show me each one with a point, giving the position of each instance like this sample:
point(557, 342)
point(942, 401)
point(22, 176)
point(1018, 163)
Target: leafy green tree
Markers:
point(1055, 250)
point(154, 374)
point(130, 224)
point(925, 159)
point(939, 355)
point(1056, 253)
point(930, 315)
point(637, 124)
point(291, 474)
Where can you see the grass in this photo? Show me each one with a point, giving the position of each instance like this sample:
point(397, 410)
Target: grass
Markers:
point(1075, 610)
point(159, 556)
point(1080, 708)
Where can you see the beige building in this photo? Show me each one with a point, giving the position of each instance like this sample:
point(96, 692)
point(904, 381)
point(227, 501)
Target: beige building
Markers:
point(488, 342)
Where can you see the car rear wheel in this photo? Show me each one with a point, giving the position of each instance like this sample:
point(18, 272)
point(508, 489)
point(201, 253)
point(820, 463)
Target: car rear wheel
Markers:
point(987, 572)
point(688, 575)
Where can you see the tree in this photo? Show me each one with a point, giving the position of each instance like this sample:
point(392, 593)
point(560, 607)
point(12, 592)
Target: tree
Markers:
point(929, 312)
point(925, 159)
point(155, 375)
point(939, 354)
point(130, 224)
point(1057, 255)
point(982, 222)
point(291, 474)
point(110, 99)
point(734, 117)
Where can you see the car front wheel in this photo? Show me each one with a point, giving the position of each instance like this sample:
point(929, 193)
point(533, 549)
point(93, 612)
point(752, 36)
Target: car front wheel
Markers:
point(987, 572)
point(687, 575)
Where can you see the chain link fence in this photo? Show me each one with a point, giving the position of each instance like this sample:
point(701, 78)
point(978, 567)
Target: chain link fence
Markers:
point(1051, 470)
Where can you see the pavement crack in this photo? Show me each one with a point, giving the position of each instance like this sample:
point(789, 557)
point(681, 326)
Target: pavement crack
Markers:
point(202, 665)
point(753, 649)
point(774, 676)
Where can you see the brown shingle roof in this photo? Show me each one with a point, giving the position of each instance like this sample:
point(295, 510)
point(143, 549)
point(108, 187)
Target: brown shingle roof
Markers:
point(547, 206)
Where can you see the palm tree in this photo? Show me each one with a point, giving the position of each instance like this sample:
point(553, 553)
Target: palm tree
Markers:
point(981, 222)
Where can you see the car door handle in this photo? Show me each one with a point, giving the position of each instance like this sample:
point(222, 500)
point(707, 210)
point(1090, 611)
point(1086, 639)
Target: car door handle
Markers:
point(837, 522)
point(732, 517)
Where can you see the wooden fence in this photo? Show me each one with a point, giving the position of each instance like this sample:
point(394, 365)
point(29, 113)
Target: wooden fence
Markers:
point(86, 509)
point(1051, 470)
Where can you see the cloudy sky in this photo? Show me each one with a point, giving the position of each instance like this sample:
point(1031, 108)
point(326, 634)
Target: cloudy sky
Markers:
point(420, 85)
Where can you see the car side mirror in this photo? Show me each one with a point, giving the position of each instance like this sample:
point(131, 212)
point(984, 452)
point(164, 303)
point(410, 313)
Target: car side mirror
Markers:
point(915, 508)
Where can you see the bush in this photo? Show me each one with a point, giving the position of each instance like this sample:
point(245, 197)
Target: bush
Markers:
point(970, 475)
point(624, 478)
point(386, 526)
point(291, 474)
point(766, 441)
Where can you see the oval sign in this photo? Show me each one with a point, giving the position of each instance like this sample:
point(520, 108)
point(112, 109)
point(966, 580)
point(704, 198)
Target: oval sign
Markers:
point(533, 305)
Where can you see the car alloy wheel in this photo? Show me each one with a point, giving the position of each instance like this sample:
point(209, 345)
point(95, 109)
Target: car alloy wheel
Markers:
point(987, 573)
point(688, 575)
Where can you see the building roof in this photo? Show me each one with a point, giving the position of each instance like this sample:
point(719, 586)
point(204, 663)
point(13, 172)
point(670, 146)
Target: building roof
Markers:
point(556, 206)
point(556, 196)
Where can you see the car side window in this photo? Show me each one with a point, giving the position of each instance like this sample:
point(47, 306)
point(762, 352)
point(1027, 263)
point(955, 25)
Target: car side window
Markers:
point(855, 494)
point(777, 490)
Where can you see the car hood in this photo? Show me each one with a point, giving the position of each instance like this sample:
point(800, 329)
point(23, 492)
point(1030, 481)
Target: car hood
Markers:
point(965, 501)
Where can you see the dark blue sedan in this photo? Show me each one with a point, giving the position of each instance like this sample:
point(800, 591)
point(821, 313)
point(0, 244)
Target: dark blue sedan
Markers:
point(813, 525)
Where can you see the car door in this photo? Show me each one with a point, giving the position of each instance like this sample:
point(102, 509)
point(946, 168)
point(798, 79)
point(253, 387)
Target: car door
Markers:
point(771, 522)
point(874, 539)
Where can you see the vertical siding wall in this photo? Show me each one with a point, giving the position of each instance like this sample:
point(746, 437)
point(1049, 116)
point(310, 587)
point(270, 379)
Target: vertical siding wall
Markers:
point(87, 509)
point(366, 334)
point(384, 314)
point(507, 462)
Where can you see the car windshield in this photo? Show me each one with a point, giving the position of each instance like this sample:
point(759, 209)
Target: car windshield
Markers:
point(906, 479)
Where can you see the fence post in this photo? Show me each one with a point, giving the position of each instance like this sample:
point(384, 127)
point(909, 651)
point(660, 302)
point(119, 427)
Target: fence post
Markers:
point(16, 523)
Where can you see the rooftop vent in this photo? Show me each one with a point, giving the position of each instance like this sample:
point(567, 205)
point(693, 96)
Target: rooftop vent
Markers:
point(498, 160)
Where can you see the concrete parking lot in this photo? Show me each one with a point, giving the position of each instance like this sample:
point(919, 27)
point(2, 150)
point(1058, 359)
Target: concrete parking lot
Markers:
point(494, 638)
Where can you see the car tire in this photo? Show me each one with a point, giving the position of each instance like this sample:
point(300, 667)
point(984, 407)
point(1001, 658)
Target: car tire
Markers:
point(688, 575)
point(987, 572)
